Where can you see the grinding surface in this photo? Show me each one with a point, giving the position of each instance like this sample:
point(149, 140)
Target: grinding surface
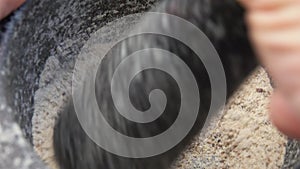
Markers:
point(244, 136)
point(50, 97)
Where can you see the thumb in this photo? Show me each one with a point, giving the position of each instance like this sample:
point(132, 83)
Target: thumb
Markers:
point(7, 6)
point(284, 117)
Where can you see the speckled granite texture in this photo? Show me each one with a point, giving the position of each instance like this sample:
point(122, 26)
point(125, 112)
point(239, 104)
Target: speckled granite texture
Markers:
point(15, 151)
point(244, 136)
point(292, 156)
point(23, 80)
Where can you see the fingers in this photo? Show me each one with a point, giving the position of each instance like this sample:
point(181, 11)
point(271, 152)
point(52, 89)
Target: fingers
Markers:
point(265, 4)
point(7, 6)
point(287, 39)
point(274, 19)
point(274, 28)
point(282, 116)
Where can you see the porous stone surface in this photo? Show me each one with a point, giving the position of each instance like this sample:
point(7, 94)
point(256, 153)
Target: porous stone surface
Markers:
point(50, 97)
point(244, 136)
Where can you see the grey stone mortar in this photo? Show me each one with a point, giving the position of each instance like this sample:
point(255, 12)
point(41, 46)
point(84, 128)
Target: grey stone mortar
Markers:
point(16, 106)
point(292, 156)
point(32, 35)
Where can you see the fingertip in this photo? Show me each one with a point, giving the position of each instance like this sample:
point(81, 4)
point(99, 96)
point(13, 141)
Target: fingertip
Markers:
point(7, 6)
point(283, 117)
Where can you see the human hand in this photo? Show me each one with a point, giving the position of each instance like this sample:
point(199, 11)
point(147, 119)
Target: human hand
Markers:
point(274, 28)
